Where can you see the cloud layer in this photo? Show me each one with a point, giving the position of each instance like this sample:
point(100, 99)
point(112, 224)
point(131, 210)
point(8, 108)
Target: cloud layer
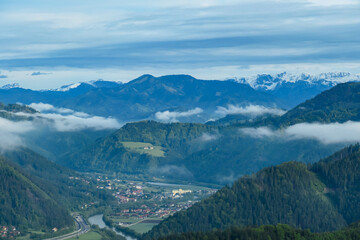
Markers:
point(63, 119)
point(51, 119)
point(203, 38)
point(249, 110)
point(168, 116)
point(348, 132)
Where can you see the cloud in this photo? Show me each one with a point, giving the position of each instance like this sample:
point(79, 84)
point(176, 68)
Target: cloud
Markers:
point(250, 110)
point(332, 133)
point(48, 108)
point(168, 116)
point(207, 137)
point(63, 119)
point(175, 36)
point(326, 133)
point(11, 132)
point(332, 3)
point(260, 132)
point(39, 73)
point(172, 170)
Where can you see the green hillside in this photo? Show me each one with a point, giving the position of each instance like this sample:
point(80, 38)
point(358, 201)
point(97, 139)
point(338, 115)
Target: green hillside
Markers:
point(204, 153)
point(24, 205)
point(170, 141)
point(278, 232)
point(321, 197)
point(54, 179)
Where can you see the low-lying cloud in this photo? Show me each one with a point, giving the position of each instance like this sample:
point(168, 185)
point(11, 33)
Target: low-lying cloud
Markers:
point(332, 133)
point(249, 110)
point(63, 119)
point(11, 132)
point(51, 119)
point(172, 170)
point(168, 116)
point(207, 137)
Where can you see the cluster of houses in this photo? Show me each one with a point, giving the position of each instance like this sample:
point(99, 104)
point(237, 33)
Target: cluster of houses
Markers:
point(8, 232)
point(156, 211)
point(129, 195)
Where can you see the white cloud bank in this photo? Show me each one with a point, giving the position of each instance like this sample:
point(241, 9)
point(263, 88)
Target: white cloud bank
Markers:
point(10, 133)
point(332, 133)
point(249, 110)
point(52, 118)
point(168, 116)
point(63, 119)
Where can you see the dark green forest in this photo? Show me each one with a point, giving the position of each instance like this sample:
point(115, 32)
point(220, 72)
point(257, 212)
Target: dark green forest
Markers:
point(269, 232)
point(320, 197)
point(25, 205)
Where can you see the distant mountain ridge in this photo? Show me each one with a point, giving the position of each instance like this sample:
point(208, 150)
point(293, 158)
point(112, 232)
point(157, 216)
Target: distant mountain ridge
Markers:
point(268, 82)
point(143, 97)
point(295, 89)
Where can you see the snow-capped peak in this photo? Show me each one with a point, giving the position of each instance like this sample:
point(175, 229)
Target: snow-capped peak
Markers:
point(67, 87)
point(9, 86)
point(269, 82)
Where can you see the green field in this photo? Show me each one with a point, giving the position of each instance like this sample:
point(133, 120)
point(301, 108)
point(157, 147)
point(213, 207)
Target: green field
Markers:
point(88, 236)
point(139, 147)
point(142, 227)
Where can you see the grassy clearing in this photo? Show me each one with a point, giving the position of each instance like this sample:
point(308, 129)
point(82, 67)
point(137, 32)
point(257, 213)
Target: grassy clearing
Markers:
point(140, 147)
point(142, 227)
point(88, 236)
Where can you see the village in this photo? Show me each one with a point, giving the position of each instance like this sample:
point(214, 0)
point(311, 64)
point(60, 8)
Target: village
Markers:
point(8, 232)
point(141, 202)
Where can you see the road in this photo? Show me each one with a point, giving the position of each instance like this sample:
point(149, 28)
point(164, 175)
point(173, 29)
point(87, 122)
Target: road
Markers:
point(83, 227)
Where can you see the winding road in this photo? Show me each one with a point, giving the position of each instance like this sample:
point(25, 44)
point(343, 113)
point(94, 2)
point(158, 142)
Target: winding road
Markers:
point(83, 227)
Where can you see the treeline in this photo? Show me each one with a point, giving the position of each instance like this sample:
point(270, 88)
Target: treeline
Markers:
point(278, 232)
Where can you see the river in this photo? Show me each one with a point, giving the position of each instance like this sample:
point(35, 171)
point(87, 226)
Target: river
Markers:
point(98, 220)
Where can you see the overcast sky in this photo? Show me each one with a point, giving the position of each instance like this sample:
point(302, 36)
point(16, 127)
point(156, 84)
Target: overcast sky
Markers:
point(46, 44)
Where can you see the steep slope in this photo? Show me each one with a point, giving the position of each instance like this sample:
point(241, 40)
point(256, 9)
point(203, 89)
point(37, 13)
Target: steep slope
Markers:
point(24, 205)
point(339, 104)
point(54, 179)
point(112, 153)
point(289, 193)
point(192, 151)
point(278, 232)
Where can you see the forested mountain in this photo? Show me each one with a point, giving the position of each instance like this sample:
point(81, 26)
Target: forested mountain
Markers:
point(278, 232)
point(338, 104)
point(54, 179)
point(321, 197)
point(191, 151)
point(112, 152)
point(24, 205)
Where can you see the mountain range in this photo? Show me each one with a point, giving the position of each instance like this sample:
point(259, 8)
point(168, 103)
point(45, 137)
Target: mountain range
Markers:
point(147, 95)
point(221, 153)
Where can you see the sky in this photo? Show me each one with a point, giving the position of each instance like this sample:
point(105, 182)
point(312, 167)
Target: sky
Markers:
point(47, 44)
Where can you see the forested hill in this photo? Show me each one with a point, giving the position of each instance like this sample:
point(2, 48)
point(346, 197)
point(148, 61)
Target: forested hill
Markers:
point(291, 193)
point(24, 205)
point(112, 152)
point(278, 232)
point(54, 180)
point(338, 104)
